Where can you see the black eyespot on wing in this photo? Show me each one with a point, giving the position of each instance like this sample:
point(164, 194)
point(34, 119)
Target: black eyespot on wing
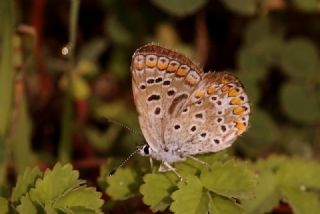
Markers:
point(223, 128)
point(153, 97)
point(193, 128)
point(142, 86)
point(166, 82)
point(219, 102)
point(171, 93)
point(199, 115)
point(157, 111)
point(219, 119)
point(216, 141)
point(150, 81)
point(177, 126)
point(203, 134)
point(159, 79)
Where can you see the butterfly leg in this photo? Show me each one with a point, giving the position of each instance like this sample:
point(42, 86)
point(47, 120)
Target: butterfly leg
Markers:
point(151, 162)
point(165, 166)
point(198, 160)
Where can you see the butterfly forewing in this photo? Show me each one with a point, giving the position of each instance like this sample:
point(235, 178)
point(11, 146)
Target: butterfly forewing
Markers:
point(162, 80)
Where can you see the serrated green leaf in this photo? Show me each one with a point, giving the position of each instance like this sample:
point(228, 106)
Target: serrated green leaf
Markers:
point(25, 182)
point(105, 171)
point(86, 198)
point(222, 205)
point(180, 7)
point(123, 184)
point(272, 163)
point(302, 202)
point(299, 58)
point(4, 208)
point(246, 7)
point(157, 189)
point(191, 198)
point(299, 173)
point(231, 179)
point(55, 183)
point(266, 194)
point(26, 206)
point(300, 102)
point(193, 166)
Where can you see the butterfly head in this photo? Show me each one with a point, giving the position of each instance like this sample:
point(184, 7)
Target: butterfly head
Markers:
point(145, 150)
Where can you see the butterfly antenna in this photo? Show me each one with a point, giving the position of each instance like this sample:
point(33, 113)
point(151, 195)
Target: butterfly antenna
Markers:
point(124, 126)
point(125, 161)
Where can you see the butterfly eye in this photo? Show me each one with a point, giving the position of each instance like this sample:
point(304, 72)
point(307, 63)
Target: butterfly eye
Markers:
point(145, 150)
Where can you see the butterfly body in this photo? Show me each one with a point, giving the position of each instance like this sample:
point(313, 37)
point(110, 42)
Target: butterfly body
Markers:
point(182, 110)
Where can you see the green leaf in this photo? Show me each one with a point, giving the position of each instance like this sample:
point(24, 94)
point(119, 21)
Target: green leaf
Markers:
point(25, 182)
point(180, 7)
point(55, 183)
point(302, 202)
point(260, 122)
point(272, 163)
point(253, 66)
point(157, 189)
point(4, 208)
point(307, 5)
point(249, 79)
point(299, 59)
point(299, 173)
point(301, 103)
point(26, 206)
point(222, 205)
point(246, 7)
point(123, 184)
point(191, 198)
point(266, 193)
point(231, 179)
point(103, 140)
point(83, 197)
point(262, 46)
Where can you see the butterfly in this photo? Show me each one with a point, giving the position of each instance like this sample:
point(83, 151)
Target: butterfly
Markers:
point(182, 110)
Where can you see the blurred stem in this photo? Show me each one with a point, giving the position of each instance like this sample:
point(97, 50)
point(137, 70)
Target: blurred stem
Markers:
point(65, 143)
point(6, 81)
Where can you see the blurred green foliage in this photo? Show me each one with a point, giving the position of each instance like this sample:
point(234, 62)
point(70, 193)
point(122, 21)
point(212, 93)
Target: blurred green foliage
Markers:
point(78, 107)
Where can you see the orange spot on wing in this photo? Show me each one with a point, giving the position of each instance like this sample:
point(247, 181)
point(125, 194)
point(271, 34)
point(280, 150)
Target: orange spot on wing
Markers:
point(240, 126)
point(199, 94)
point(182, 71)
point(232, 93)
point(235, 101)
point(238, 110)
point(172, 67)
point(211, 90)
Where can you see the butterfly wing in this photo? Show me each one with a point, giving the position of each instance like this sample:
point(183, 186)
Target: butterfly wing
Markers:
point(211, 119)
point(162, 81)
